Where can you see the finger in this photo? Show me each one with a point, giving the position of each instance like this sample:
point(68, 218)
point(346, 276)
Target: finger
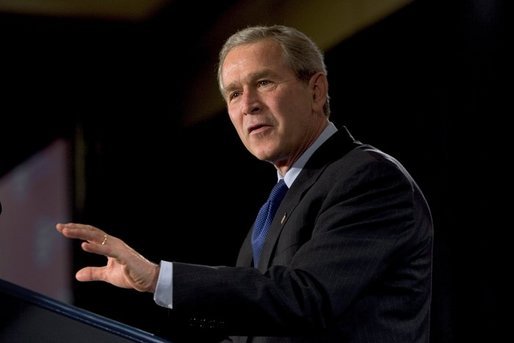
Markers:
point(82, 231)
point(72, 230)
point(90, 274)
point(108, 246)
point(61, 226)
point(96, 248)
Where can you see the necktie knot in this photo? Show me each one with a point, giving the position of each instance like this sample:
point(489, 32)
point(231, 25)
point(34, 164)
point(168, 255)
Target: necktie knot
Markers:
point(265, 217)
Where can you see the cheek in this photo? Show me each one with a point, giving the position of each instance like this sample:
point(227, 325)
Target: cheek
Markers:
point(237, 121)
point(289, 102)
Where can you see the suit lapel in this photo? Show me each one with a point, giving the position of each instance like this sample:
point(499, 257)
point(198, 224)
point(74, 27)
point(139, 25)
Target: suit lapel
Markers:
point(245, 256)
point(336, 146)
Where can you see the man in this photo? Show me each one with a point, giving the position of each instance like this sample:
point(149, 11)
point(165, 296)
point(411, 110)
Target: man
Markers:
point(348, 255)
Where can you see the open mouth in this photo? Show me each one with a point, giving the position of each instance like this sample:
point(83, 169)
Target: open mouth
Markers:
point(257, 128)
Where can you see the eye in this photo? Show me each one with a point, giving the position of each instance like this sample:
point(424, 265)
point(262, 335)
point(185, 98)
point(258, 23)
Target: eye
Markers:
point(234, 94)
point(264, 83)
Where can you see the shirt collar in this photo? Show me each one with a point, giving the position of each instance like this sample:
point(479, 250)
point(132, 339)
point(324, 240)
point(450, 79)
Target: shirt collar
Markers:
point(297, 167)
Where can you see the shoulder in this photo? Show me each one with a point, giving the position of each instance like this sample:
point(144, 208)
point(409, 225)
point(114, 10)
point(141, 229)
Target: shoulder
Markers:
point(365, 166)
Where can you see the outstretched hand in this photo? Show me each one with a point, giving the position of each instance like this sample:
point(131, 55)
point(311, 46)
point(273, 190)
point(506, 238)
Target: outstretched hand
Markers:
point(125, 267)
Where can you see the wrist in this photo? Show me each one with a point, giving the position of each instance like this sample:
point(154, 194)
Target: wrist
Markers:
point(155, 276)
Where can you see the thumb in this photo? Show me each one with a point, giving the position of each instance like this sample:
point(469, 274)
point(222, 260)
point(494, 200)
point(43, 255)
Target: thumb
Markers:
point(89, 274)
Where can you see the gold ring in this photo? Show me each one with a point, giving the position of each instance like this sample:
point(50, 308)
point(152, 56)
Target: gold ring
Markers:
point(105, 240)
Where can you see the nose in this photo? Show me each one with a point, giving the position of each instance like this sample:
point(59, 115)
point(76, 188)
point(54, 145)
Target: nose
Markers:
point(251, 102)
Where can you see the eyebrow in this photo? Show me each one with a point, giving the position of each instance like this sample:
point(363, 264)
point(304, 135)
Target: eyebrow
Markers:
point(253, 76)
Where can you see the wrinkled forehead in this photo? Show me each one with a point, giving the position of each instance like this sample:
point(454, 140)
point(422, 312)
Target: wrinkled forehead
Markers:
point(253, 60)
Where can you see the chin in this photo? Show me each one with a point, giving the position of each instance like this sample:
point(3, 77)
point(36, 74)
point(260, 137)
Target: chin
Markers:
point(265, 153)
point(262, 156)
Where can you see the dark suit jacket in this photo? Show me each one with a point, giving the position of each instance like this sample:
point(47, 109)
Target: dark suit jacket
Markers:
point(348, 258)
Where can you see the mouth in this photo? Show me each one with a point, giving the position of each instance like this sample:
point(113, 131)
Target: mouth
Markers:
point(257, 128)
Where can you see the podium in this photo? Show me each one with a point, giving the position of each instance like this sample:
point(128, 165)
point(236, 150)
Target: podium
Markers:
point(27, 316)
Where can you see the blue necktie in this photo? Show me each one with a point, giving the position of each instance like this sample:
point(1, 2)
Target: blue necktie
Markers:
point(265, 217)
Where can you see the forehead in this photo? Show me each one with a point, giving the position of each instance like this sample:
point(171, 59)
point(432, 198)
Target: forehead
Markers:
point(254, 58)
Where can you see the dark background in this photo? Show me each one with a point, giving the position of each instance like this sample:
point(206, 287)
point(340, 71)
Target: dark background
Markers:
point(425, 84)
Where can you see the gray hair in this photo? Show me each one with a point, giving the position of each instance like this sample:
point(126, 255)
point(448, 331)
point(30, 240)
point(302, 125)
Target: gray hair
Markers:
point(300, 52)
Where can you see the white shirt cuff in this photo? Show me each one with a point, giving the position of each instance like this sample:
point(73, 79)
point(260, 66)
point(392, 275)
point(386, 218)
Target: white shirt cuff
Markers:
point(163, 295)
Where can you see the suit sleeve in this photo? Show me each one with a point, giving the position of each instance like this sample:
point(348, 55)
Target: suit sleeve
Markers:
point(358, 237)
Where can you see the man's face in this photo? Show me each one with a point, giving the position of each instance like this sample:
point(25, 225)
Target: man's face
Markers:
point(274, 113)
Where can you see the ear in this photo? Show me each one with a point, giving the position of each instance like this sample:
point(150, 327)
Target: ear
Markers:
point(319, 87)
